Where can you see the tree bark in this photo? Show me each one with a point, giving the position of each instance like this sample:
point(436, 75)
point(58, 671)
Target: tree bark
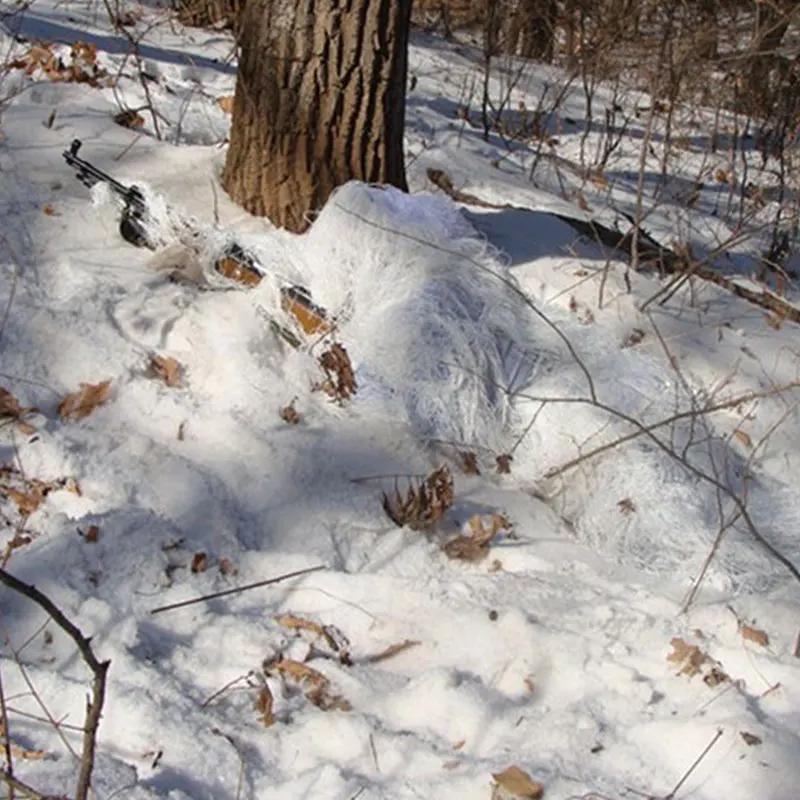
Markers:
point(208, 13)
point(320, 100)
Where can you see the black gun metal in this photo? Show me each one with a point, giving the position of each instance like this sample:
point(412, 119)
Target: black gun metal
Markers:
point(131, 225)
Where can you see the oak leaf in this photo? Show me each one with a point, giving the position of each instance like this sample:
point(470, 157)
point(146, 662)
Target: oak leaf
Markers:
point(226, 103)
point(168, 369)
point(517, 782)
point(754, 635)
point(81, 403)
point(10, 407)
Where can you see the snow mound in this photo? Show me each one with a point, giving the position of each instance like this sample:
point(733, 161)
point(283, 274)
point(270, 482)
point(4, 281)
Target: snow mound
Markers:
point(431, 318)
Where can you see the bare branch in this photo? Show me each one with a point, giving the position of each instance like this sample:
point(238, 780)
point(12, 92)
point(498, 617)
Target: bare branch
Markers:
point(99, 670)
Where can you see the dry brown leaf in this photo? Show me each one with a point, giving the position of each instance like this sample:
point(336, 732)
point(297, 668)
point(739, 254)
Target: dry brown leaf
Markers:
point(451, 764)
point(10, 407)
point(340, 380)
point(688, 655)
point(743, 437)
point(92, 533)
point(321, 698)
point(750, 739)
point(693, 660)
point(49, 211)
point(263, 704)
point(290, 414)
point(227, 567)
point(392, 650)
point(503, 463)
point(517, 782)
point(81, 403)
point(199, 562)
point(459, 744)
point(298, 623)
point(226, 103)
point(483, 529)
point(27, 502)
point(469, 464)
point(29, 755)
point(754, 635)
point(626, 506)
point(464, 548)
point(633, 338)
point(714, 677)
point(168, 369)
point(129, 119)
point(299, 672)
point(424, 503)
point(318, 691)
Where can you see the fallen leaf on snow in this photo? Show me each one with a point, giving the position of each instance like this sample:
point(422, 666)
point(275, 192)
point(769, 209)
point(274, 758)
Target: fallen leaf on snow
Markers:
point(226, 103)
point(692, 661)
point(690, 656)
point(517, 782)
point(26, 502)
point(81, 403)
point(199, 562)
point(226, 566)
point(503, 463)
point(49, 211)
point(299, 623)
point(10, 407)
point(743, 437)
point(263, 704)
point(290, 414)
point(129, 119)
point(750, 739)
point(318, 686)
point(424, 503)
point(469, 464)
point(92, 533)
point(168, 369)
point(482, 530)
point(754, 635)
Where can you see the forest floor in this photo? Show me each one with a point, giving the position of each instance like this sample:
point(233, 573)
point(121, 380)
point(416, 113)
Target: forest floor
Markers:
point(490, 342)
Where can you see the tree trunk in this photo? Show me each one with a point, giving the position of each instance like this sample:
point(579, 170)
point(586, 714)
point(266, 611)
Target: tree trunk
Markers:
point(539, 29)
point(771, 24)
point(320, 100)
point(208, 13)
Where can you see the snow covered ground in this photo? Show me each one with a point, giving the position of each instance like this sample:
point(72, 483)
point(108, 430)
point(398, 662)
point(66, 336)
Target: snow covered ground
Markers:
point(562, 651)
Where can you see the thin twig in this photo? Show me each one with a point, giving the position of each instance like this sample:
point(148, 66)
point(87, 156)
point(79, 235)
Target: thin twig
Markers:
point(230, 740)
point(644, 430)
point(13, 289)
point(22, 788)
point(98, 668)
point(225, 688)
point(240, 589)
point(694, 766)
point(6, 733)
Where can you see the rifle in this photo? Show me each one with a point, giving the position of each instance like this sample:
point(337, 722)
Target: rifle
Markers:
point(234, 263)
point(131, 224)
